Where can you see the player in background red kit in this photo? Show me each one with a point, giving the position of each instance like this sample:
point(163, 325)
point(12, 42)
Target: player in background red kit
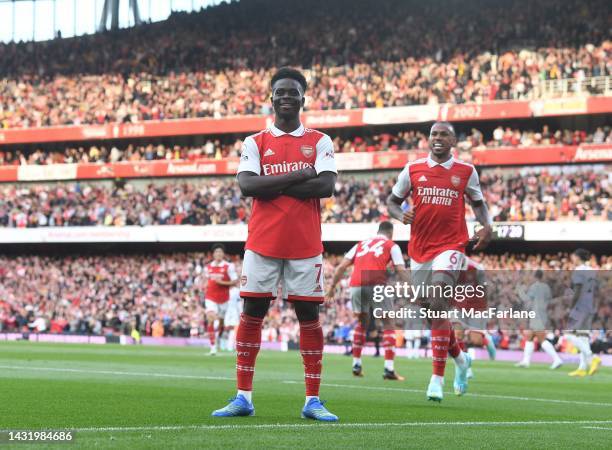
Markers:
point(287, 169)
point(370, 258)
point(438, 186)
point(221, 275)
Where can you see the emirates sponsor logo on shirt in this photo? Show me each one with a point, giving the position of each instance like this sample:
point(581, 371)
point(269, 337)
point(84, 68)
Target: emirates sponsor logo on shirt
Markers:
point(284, 167)
point(437, 195)
point(307, 150)
point(455, 180)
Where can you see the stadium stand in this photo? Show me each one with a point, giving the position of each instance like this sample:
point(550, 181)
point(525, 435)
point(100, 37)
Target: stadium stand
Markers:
point(217, 64)
point(110, 294)
point(214, 148)
point(191, 66)
point(531, 194)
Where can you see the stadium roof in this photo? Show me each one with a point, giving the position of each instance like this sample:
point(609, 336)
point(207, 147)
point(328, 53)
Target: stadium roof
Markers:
point(39, 20)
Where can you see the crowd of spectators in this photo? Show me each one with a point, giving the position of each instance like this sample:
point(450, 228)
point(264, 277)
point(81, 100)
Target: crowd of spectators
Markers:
point(529, 194)
point(525, 195)
point(218, 149)
point(219, 62)
point(255, 34)
point(214, 201)
point(162, 294)
point(32, 101)
point(543, 195)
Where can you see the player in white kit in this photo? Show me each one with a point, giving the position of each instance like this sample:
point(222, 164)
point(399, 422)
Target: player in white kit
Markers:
point(537, 298)
point(584, 307)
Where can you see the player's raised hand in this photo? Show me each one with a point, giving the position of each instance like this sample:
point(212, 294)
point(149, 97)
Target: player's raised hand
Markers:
point(408, 217)
point(483, 237)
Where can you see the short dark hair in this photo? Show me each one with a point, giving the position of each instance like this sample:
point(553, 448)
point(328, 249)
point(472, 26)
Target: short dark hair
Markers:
point(291, 73)
point(539, 274)
point(216, 246)
point(583, 254)
point(446, 124)
point(385, 227)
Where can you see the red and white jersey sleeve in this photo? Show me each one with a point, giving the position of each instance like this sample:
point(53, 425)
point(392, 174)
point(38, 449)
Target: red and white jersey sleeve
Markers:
point(402, 186)
point(472, 189)
point(249, 157)
point(231, 272)
point(325, 161)
point(396, 256)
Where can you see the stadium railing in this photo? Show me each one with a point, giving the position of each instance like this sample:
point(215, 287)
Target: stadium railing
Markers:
point(573, 86)
point(558, 231)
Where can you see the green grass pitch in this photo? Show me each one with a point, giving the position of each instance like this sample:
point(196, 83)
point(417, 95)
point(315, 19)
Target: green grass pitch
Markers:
point(162, 397)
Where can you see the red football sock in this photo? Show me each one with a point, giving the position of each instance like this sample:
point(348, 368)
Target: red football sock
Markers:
point(440, 336)
point(248, 341)
point(211, 333)
point(311, 348)
point(389, 344)
point(454, 344)
point(358, 340)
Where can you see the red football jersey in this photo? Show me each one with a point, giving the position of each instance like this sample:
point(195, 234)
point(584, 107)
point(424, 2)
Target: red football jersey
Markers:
point(370, 260)
point(286, 227)
point(223, 271)
point(437, 192)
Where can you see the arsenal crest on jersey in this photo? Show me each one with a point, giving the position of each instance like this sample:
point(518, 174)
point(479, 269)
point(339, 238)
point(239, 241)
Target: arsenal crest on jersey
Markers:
point(455, 180)
point(307, 150)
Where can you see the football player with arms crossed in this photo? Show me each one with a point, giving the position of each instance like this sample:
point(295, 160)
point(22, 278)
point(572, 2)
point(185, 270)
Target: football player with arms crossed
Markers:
point(287, 169)
point(438, 186)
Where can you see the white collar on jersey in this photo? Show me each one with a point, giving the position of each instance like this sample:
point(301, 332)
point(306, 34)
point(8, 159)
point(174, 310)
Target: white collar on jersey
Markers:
point(299, 131)
point(446, 164)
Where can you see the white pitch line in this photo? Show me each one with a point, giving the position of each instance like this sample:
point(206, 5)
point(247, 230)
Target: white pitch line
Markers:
point(115, 372)
point(349, 386)
point(420, 391)
point(330, 425)
point(598, 428)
